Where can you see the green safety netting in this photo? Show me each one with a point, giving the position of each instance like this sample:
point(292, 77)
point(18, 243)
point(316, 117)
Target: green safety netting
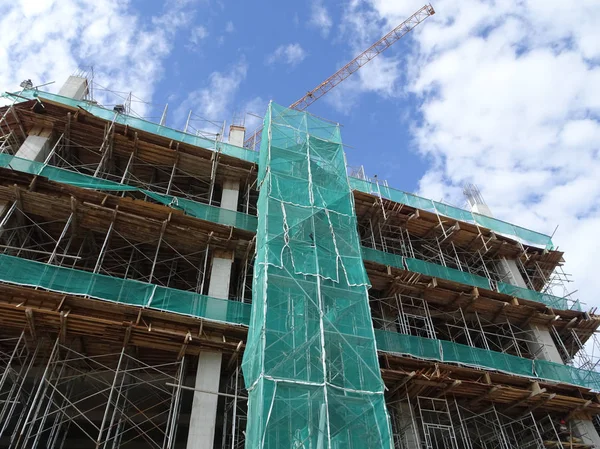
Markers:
point(422, 348)
point(19, 271)
point(452, 274)
point(502, 227)
point(141, 124)
point(16, 270)
point(248, 222)
point(310, 363)
point(382, 257)
point(467, 355)
point(450, 352)
point(193, 208)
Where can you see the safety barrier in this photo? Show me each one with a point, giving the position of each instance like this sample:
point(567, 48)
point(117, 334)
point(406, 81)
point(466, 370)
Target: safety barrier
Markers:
point(143, 125)
point(19, 271)
point(450, 352)
point(462, 277)
point(502, 227)
point(250, 223)
point(524, 235)
point(190, 207)
point(16, 270)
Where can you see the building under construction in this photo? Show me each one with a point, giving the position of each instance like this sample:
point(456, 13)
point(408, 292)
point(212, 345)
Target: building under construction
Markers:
point(160, 289)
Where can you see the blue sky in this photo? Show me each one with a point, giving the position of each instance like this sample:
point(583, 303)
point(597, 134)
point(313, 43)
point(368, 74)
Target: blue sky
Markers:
point(377, 136)
point(501, 93)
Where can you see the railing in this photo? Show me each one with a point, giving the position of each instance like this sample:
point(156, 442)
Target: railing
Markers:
point(462, 277)
point(450, 352)
point(144, 125)
point(190, 207)
point(250, 223)
point(19, 271)
point(16, 270)
point(523, 235)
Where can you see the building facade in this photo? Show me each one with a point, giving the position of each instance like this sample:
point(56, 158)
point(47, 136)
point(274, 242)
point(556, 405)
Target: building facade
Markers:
point(161, 289)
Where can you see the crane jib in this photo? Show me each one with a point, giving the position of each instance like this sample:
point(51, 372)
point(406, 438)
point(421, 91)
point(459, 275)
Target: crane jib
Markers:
point(378, 47)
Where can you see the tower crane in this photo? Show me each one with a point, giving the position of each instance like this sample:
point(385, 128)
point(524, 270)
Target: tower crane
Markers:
point(378, 47)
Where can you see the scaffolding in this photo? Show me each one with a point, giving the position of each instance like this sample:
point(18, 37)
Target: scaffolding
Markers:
point(450, 422)
point(311, 364)
point(439, 248)
point(384, 192)
point(16, 360)
point(137, 123)
point(235, 414)
point(415, 316)
point(105, 401)
point(113, 158)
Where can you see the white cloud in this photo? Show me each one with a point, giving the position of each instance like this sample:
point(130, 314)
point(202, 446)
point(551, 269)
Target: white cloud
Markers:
point(291, 54)
point(381, 75)
point(126, 51)
point(229, 28)
point(197, 35)
point(509, 99)
point(214, 102)
point(320, 18)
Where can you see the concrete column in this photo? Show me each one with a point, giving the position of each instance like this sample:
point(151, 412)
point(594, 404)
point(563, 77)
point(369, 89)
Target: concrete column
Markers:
point(220, 278)
point(39, 141)
point(544, 346)
point(509, 270)
point(237, 135)
point(231, 193)
point(229, 201)
point(75, 87)
point(37, 146)
point(481, 209)
point(204, 405)
point(585, 430)
point(410, 433)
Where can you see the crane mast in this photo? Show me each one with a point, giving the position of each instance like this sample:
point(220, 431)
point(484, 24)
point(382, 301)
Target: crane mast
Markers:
point(378, 47)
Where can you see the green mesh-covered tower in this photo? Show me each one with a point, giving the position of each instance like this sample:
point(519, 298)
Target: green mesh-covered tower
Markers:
point(310, 364)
